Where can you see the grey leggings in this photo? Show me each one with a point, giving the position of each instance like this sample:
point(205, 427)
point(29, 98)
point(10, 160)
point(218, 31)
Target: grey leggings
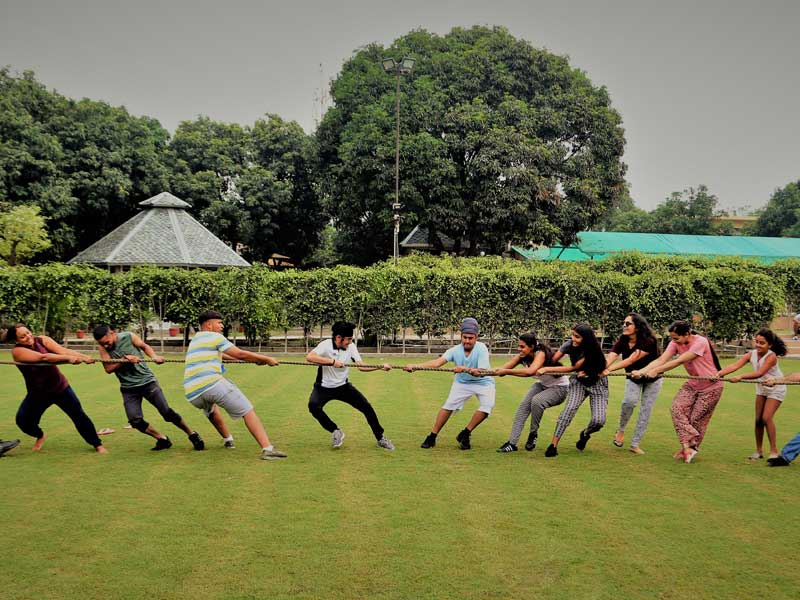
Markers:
point(534, 404)
point(648, 390)
point(598, 402)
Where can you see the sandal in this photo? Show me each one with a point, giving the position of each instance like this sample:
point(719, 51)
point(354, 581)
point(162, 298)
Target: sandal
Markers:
point(619, 439)
point(755, 456)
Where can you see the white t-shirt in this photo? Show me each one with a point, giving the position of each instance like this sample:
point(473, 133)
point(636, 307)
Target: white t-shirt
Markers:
point(332, 378)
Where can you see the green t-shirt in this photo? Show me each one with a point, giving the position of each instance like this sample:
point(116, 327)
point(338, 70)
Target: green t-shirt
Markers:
point(130, 375)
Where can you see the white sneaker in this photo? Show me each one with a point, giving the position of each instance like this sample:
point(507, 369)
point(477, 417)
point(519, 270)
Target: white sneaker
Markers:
point(337, 438)
point(386, 443)
point(271, 454)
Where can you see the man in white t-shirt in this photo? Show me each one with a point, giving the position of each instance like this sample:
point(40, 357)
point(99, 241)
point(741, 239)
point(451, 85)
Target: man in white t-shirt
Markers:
point(333, 356)
point(471, 358)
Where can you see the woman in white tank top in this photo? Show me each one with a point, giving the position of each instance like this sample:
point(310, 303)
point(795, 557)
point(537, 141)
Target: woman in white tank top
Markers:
point(764, 358)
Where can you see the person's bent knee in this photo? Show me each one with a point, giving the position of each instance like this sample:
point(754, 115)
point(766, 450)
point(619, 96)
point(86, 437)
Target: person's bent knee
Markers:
point(172, 417)
point(139, 424)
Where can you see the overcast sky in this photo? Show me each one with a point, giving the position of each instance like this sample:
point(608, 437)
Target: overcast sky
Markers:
point(708, 89)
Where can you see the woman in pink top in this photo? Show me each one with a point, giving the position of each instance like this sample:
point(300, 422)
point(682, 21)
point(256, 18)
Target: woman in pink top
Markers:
point(696, 399)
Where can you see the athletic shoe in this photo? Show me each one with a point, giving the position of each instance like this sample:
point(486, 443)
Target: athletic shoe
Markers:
point(581, 443)
point(6, 445)
point(162, 444)
point(689, 454)
point(778, 461)
point(385, 443)
point(337, 438)
point(430, 441)
point(551, 451)
point(197, 441)
point(271, 454)
point(463, 439)
point(507, 447)
point(228, 444)
point(531, 443)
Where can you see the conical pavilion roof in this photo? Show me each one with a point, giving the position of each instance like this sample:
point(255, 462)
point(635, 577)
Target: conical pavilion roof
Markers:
point(163, 234)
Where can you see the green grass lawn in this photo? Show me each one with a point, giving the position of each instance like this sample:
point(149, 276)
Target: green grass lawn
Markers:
point(361, 522)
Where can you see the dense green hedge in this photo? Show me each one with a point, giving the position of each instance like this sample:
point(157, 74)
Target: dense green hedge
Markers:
point(727, 298)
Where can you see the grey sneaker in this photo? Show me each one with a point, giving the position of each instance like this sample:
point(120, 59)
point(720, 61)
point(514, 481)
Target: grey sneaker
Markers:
point(386, 443)
point(337, 438)
point(229, 444)
point(271, 454)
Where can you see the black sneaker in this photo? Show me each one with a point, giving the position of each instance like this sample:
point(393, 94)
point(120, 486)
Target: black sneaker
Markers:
point(778, 461)
point(6, 445)
point(463, 439)
point(507, 447)
point(531, 443)
point(581, 443)
point(162, 444)
point(197, 441)
point(429, 442)
point(551, 451)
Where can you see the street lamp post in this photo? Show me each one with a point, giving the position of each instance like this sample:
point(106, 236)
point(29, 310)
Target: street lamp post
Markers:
point(398, 68)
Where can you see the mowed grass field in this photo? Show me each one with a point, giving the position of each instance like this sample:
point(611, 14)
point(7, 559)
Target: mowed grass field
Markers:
point(361, 522)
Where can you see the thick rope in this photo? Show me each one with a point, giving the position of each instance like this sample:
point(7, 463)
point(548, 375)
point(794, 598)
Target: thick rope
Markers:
point(484, 373)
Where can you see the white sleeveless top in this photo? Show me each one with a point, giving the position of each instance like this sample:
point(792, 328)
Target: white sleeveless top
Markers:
point(778, 392)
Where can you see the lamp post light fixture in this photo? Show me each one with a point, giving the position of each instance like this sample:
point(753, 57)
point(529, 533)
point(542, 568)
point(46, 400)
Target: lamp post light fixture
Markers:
point(397, 68)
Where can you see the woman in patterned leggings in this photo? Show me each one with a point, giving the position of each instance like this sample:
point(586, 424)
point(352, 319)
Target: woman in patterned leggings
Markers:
point(549, 391)
point(588, 363)
point(696, 399)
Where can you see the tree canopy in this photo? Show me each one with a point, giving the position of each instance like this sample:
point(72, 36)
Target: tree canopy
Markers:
point(690, 212)
point(781, 216)
point(22, 233)
point(500, 141)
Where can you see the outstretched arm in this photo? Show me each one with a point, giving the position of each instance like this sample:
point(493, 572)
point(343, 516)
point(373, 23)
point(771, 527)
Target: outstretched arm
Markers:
point(430, 364)
point(253, 357)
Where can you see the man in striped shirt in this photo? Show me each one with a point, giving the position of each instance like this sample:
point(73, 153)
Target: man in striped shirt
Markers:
point(207, 388)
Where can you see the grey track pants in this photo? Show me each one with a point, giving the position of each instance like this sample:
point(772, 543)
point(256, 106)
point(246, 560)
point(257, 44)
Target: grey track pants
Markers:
point(648, 391)
point(534, 404)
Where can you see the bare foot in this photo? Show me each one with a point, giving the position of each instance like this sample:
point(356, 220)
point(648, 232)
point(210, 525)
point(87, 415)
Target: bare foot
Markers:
point(39, 442)
point(101, 450)
point(637, 450)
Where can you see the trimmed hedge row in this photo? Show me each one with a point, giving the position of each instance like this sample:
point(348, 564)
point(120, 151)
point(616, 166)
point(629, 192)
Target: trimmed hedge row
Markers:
point(728, 299)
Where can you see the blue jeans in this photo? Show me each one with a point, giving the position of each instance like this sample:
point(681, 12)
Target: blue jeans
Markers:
point(791, 449)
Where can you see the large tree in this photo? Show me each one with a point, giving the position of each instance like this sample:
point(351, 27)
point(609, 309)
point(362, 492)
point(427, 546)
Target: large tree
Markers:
point(781, 216)
point(86, 164)
point(252, 186)
point(500, 141)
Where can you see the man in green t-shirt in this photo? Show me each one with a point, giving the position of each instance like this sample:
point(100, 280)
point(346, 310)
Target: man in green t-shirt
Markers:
point(137, 382)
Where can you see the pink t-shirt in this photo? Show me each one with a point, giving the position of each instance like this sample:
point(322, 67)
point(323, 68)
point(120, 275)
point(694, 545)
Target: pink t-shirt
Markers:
point(702, 366)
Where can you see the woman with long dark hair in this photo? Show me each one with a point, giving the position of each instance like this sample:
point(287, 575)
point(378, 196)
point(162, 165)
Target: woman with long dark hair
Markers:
point(46, 385)
point(549, 391)
point(635, 349)
point(764, 358)
point(696, 399)
point(588, 363)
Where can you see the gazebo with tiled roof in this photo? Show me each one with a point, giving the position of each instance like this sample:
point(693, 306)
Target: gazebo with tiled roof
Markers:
point(163, 234)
